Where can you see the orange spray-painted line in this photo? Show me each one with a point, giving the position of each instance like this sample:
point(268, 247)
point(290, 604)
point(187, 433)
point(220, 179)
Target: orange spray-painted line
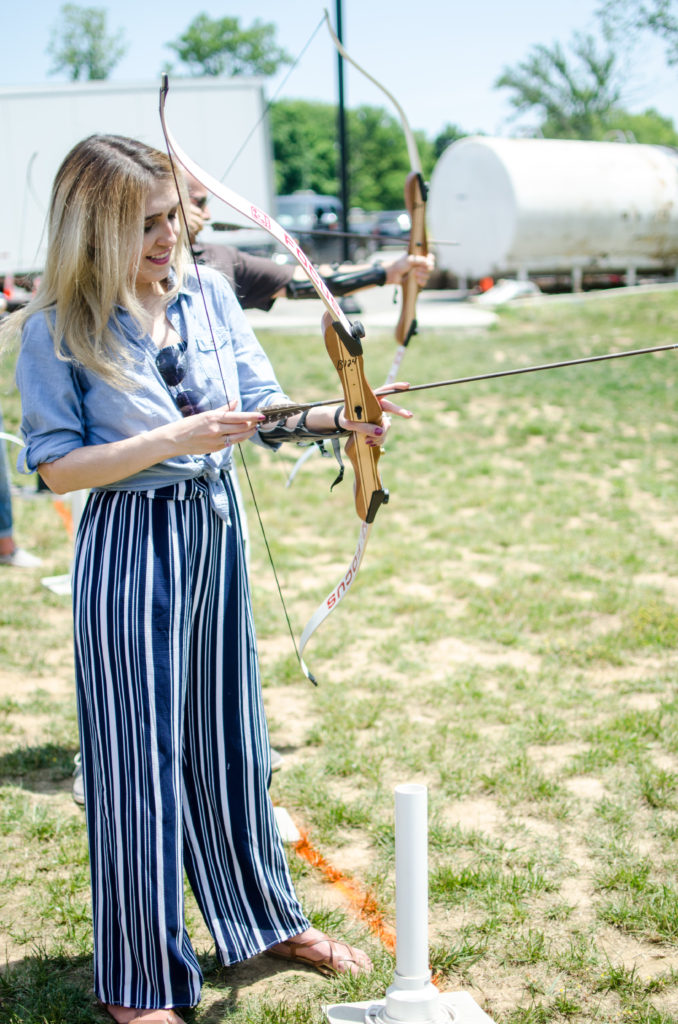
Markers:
point(362, 902)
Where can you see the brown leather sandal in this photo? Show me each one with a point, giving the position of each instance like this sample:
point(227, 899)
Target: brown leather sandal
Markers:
point(337, 958)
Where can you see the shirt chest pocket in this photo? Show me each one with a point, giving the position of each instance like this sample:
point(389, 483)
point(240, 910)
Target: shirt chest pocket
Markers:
point(217, 363)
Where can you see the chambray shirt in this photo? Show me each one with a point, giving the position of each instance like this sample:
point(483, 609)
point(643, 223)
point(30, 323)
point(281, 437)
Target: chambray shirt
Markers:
point(65, 406)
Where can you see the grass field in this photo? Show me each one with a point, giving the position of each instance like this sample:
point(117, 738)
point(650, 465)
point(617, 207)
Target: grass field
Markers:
point(511, 642)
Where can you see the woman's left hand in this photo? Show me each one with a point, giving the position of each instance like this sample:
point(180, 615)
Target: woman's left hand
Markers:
point(375, 434)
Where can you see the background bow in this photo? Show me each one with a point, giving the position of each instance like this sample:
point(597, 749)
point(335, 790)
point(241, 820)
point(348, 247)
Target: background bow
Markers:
point(415, 201)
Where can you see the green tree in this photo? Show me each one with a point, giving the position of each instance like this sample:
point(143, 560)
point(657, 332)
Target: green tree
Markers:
point(306, 152)
point(573, 97)
point(378, 159)
point(304, 146)
point(626, 20)
point(81, 46)
point(650, 128)
point(445, 138)
point(219, 46)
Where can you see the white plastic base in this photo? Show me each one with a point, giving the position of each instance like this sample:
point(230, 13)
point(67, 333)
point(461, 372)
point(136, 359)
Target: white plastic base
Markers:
point(450, 1008)
point(410, 1001)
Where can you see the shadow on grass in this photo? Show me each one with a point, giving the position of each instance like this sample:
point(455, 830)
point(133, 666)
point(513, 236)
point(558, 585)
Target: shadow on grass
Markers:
point(43, 988)
point(57, 989)
point(41, 769)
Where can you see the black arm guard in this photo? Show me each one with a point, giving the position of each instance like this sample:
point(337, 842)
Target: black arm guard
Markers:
point(281, 432)
point(339, 284)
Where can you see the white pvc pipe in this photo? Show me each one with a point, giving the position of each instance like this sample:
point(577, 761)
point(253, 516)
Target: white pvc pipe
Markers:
point(411, 843)
point(412, 998)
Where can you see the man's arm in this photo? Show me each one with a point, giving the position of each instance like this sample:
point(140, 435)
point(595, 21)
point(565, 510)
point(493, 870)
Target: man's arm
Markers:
point(353, 278)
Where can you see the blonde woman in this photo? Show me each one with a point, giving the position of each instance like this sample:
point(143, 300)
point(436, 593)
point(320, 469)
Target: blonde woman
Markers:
point(129, 392)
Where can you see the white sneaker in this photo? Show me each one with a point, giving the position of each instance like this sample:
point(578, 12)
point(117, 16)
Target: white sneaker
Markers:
point(21, 559)
point(78, 790)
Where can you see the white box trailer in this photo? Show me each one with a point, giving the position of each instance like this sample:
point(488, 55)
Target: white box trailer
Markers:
point(220, 122)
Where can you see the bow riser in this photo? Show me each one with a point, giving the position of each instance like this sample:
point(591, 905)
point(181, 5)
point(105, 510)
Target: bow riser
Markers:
point(361, 405)
point(415, 202)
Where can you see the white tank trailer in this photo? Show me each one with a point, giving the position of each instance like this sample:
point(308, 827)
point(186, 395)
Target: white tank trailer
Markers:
point(535, 207)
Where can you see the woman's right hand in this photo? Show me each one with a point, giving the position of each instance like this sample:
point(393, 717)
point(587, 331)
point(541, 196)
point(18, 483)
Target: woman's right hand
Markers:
point(98, 465)
point(212, 431)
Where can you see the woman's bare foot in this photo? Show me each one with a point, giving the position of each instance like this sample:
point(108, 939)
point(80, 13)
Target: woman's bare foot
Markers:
point(325, 954)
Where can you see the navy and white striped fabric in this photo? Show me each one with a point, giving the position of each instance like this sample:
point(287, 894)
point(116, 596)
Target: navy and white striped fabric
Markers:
point(174, 741)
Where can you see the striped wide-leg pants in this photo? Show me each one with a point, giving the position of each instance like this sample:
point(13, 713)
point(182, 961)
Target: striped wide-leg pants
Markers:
point(174, 744)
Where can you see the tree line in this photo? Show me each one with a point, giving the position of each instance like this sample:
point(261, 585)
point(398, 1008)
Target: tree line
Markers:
point(561, 91)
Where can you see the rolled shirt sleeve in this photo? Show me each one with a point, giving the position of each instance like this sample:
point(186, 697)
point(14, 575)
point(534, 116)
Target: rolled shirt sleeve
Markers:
point(51, 407)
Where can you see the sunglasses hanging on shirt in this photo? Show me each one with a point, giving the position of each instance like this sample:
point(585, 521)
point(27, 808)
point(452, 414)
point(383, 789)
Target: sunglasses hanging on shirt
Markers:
point(172, 364)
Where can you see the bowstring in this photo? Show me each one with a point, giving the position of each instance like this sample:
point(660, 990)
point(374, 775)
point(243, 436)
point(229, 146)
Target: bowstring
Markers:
point(239, 444)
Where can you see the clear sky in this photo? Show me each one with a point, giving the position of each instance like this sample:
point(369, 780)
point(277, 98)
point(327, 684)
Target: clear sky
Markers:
point(438, 57)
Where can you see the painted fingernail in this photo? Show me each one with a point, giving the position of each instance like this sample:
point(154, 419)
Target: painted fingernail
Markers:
point(379, 431)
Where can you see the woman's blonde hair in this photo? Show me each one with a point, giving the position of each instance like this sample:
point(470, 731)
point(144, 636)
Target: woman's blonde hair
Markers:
point(95, 235)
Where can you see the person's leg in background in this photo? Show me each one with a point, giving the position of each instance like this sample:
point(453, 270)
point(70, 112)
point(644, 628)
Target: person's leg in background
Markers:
point(10, 554)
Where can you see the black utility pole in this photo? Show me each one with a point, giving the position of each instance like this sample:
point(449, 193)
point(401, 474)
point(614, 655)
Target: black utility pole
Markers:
point(343, 146)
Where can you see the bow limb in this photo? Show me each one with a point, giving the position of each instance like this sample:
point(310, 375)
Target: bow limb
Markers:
point(412, 150)
point(350, 334)
point(415, 202)
point(337, 594)
point(11, 437)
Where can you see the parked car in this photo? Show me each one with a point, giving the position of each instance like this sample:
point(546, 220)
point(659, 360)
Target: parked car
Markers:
point(316, 221)
point(391, 227)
